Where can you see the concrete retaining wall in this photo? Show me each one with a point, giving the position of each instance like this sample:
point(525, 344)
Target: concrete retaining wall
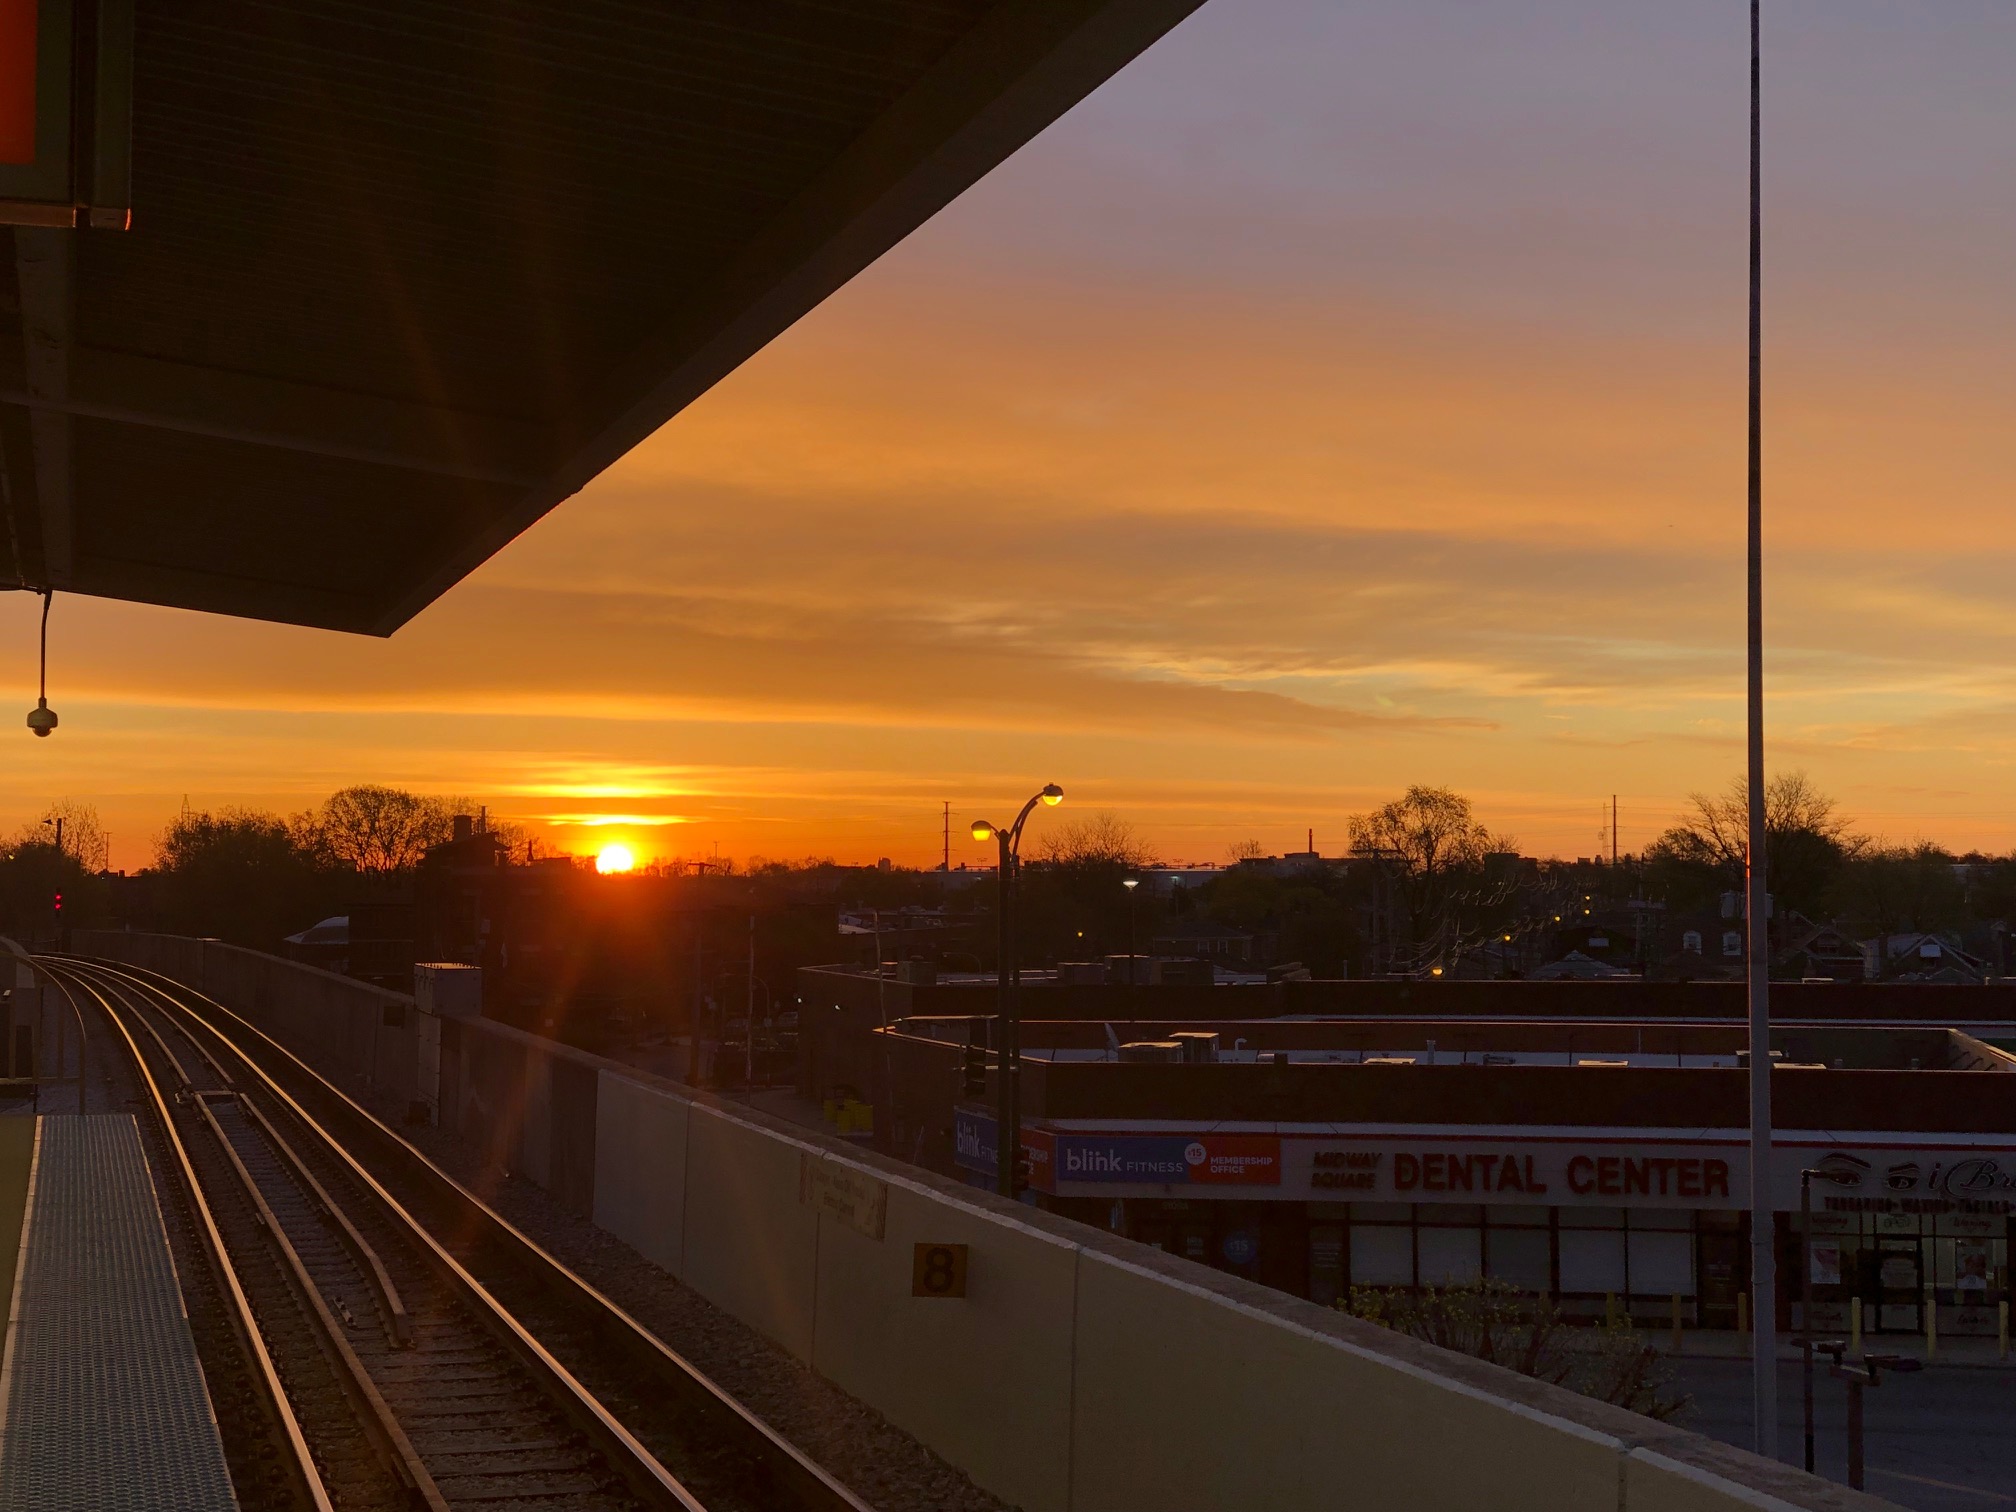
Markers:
point(1080, 1373)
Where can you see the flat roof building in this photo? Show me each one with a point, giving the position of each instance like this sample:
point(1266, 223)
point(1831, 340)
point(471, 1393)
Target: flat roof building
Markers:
point(1602, 1162)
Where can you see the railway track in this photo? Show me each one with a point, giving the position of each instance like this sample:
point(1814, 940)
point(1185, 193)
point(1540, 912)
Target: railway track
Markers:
point(419, 1350)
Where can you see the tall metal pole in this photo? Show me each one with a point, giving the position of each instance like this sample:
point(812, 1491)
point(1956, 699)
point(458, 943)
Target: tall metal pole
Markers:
point(1006, 1135)
point(1763, 1266)
point(1806, 1309)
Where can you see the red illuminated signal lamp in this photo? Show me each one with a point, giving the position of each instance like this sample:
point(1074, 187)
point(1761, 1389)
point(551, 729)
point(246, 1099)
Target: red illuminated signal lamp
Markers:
point(59, 903)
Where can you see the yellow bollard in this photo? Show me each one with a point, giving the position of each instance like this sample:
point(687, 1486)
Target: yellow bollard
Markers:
point(2001, 1327)
point(1676, 1320)
point(1743, 1320)
point(1931, 1325)
point(1855, 1327)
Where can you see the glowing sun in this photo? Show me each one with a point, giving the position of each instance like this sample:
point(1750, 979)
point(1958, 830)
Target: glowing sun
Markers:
point(614, 858)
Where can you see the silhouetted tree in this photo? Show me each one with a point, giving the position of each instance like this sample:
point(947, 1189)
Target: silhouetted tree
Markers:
point(1074, 905)
point(1806, 842)
point(1895, 889)
point(1431, 846)
point(83, 835)
point(241, 875)
point(371, 829)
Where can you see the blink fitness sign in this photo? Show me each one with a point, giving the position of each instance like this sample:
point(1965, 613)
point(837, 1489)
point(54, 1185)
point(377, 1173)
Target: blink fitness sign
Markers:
point(1058, 1160)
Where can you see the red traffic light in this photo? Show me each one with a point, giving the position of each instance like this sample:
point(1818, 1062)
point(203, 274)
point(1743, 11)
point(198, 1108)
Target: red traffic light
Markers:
point(59, 902)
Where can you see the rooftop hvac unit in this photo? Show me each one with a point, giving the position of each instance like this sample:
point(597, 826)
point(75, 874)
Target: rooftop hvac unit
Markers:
point(1134, 970)
point(1199, 1047)
point(917, 973)
point(1152, 1052)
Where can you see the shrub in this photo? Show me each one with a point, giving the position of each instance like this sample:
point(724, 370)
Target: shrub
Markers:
point(1508, 1326)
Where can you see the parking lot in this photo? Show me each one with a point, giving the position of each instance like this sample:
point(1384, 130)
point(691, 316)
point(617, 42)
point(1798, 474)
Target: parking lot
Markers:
point(1937, 1441)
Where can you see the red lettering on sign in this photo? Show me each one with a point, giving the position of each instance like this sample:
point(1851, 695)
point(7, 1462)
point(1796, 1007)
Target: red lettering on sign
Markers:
point(1718, 1177)
point(1581, 1175)
point(1434, 1175)
point(1637, 1178)
point(1664, 1167)
point(1607, 1180)
point(1406, 1172)
point(1690, 1178)
point(1508, 1175)
point(1459, 1174)
point(1531, 1184)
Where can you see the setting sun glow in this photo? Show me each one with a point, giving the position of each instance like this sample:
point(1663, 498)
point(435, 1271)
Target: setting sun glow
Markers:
point(614, 858)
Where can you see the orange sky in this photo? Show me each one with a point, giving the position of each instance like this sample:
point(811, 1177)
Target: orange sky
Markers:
point(1347, 396)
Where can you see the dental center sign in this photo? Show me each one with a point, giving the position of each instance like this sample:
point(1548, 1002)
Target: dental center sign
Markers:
point(1556, 1171)
point(1542, 1170)
point(1537, 1172)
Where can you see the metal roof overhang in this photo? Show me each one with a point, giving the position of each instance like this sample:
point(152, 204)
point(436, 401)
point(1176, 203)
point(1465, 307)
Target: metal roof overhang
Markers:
point(404, 274)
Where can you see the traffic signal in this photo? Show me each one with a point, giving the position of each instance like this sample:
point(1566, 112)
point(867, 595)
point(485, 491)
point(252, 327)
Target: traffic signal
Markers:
point(973, 1072)
point(59, 902)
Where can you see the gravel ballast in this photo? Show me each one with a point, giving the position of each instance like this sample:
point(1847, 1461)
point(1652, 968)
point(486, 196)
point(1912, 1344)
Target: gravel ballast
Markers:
point(876, 1460)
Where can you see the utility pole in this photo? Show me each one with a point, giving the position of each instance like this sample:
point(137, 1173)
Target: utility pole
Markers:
point(749, 1019)
point(693, 1008)
point(1763, 1259)
point(946, 864)
point(1613, 831)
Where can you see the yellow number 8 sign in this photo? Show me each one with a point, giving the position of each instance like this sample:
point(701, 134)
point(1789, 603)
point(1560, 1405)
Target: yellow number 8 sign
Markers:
point(938, 1270)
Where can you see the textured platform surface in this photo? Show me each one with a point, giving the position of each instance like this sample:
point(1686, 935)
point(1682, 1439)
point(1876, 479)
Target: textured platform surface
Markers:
point(102, 1401)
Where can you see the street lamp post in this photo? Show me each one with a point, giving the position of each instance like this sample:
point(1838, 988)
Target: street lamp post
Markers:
point(1008, 1054)
point(1133, 966)
point(1868, 1373)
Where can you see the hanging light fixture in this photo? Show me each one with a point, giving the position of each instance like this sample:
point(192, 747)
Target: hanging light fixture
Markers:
point(42, 718)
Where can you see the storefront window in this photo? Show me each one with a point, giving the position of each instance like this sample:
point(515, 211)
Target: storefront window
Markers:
point(1382, 1254)
point(1451, 1256)
point(1522, 1256)
point(1661, 1262)
point(1592, 1260)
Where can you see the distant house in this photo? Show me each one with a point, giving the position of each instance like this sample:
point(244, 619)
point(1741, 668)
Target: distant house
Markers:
point(1921, 957)
point(1204, 939)
point(1699, 947)
point(1822, 950)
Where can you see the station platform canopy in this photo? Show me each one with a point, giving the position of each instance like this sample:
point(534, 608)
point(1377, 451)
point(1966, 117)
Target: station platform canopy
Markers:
point(402, 275)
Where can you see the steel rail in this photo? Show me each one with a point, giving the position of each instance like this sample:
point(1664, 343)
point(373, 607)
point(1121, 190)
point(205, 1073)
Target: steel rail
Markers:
point(83, 1052)
point(377, 1419)
point(299, 1463)
point(797, 1482)
point(640, 1469)
point(398, 1321)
